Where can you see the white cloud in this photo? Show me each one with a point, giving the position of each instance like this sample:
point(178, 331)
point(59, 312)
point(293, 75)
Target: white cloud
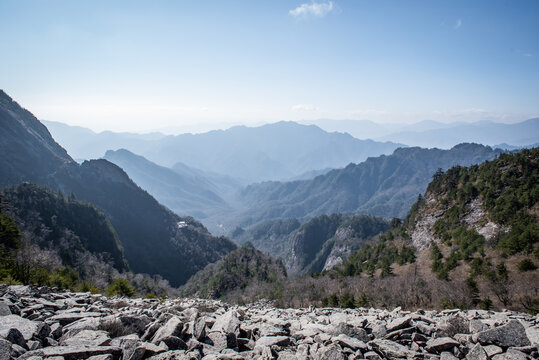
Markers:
point(304, 107)
point(313, 9)
point(458, 24)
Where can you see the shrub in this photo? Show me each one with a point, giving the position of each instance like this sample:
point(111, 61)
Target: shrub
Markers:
point(121, 287)
point(486, 304)
point(526, 265)
point(86, 286)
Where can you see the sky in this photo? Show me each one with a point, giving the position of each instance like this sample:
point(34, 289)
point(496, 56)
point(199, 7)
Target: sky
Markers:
point(156, 65)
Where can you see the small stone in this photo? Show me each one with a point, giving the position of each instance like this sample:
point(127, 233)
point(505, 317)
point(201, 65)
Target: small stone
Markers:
point(492, 350)
point(371, 355)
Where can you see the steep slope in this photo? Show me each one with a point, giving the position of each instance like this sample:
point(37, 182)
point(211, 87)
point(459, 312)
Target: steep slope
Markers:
point(472, 241)
point(321, 243)
point(242, 267)
point(476, 231)
point(193, 195)
point(325, 241)
point(155, 240)
point(384, 186)
point(63, 225)
point(269, 152)
point(28, 150)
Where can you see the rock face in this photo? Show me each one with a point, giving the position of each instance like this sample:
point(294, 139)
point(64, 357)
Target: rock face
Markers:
point(66, 325)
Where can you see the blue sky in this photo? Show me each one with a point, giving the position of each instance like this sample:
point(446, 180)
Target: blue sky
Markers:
point(140, 65)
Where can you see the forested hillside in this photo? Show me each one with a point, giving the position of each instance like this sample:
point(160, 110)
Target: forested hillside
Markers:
point(470, 242)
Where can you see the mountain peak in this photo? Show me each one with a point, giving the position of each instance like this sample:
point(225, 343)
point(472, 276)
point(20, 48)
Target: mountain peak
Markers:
point(5, 96)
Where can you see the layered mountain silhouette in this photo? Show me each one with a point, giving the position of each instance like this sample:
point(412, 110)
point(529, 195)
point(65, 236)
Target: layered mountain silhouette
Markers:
point(429, 133)
point(270, 152)
point(155, 240)
point(184, 191)
point(483, 132)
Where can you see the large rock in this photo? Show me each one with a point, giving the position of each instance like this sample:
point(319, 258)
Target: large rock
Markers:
point(229, 322)
point(511, 355)
point(273, 340)
point(86, 338)
point(399, 323)
point(438, 345)
point(5, 350)
point(173, 327)
point(349, 342)
point(4, 309)
point(28, 328)
point(509, 335)
point(73, 352)
point(391, 349)
point(330, 352)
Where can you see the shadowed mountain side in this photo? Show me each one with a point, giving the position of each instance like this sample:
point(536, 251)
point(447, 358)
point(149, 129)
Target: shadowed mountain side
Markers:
point(155, 240)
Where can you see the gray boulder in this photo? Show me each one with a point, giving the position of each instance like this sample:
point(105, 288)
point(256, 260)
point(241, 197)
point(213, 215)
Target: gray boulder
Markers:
point(509, 335)
point(173, 327)
point(86, 338)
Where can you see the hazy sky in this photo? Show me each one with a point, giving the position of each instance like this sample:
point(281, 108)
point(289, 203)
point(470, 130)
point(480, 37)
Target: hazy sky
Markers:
point(139, 65)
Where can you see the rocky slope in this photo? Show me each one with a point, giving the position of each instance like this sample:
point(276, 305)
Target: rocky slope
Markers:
point(319, 244)
point(37, 323)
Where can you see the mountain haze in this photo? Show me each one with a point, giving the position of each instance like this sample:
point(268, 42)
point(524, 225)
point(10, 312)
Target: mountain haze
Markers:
point(185, 195)
point(270, 152)
point(483, 132)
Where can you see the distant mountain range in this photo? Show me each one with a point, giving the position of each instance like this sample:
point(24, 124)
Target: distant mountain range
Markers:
point(270, 152)
point(154, 239)
point(430, 133)
point(484, 132)
point(384, 186)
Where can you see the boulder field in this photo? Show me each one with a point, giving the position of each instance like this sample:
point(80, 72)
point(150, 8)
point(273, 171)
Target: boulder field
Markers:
point(44, 323)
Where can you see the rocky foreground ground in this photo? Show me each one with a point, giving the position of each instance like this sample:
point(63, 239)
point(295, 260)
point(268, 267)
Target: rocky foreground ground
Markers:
point(37, 323)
